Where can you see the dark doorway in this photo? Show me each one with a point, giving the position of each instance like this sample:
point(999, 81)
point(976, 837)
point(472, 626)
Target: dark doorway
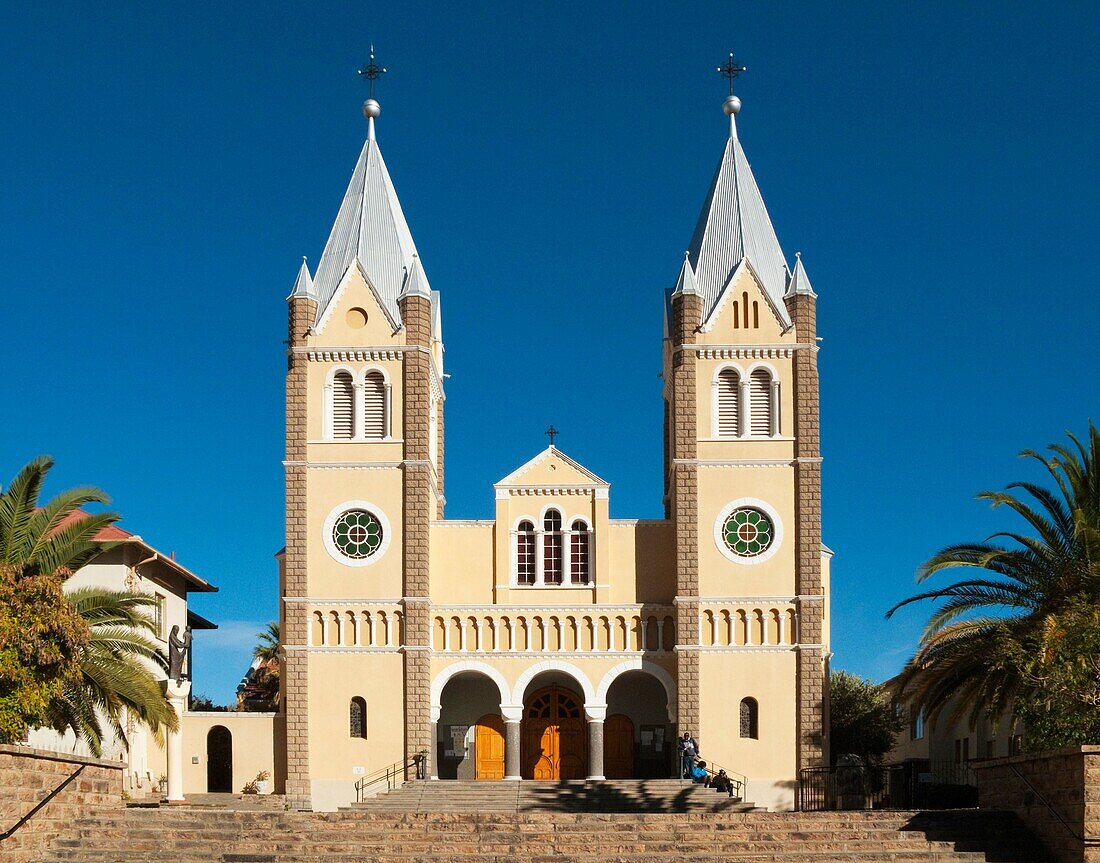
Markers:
point(219, 760)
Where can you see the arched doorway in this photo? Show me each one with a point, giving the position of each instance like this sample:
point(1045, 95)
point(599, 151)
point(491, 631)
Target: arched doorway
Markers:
point(618, 747)
point(219, 760)
point(489, 747)
point(553, 735)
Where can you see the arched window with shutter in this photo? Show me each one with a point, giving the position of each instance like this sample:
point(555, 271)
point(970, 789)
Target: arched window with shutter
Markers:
point(374, 406)
point(525, 553)
point(552, 548)
point(760, 401)
point(729, 407)
point(579, 553)
point(357, 718)
point(750, 719)
point(343, 406)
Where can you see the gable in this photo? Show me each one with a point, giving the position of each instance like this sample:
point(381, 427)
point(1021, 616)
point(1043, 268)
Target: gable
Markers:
point(551, 468)
point(745, 311)
point(356, 314)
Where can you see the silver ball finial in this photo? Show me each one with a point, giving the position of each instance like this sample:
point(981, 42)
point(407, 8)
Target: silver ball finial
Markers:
point(731, 106)
point(371, 109)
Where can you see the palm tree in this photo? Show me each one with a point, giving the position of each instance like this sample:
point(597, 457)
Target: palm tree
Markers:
point(116, 664)
point(262, 687)
point(115, 669)
point(969, 649)
point(267, 650)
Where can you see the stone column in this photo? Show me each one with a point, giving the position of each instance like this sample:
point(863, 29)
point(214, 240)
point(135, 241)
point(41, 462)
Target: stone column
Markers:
point(177, 696)
point(687, 311)
point(595, 714)
point(513, 717)
point(813, 697)
point(433, 749)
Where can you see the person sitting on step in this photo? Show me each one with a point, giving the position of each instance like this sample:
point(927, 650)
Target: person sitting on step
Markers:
point(699, 773)
point(721, 782)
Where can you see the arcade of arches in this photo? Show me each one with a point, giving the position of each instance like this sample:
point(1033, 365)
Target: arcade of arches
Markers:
point(554, 734)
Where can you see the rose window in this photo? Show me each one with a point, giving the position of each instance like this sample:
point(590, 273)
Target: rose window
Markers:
point(748, 532)
point(357, 534)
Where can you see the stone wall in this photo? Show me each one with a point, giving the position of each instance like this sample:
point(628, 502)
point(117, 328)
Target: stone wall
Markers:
point(1068, 780)
point(27, 776)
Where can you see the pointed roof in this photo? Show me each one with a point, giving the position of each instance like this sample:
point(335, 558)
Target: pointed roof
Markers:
point(800, 282)
point(370, 227)
point(541, 471)
point(735, 225)
point(303, 285)
point(686, 283)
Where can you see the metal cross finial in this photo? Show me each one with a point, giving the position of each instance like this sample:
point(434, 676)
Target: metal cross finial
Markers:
point(372, 71)
point(731, 70)
point(551, 433)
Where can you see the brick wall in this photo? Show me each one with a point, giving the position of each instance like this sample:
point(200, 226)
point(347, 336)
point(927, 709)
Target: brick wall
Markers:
point(28, 775)
point(1068, 780)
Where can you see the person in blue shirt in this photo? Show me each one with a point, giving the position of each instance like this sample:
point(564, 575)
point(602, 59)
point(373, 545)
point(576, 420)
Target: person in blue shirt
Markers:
point(699, 772)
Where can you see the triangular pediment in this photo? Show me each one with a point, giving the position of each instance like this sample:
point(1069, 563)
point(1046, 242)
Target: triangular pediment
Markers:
point(355, 289)
point(745, 276)
point(551, 468)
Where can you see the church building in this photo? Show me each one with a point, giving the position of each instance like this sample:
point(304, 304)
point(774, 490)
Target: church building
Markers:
point(553, 641)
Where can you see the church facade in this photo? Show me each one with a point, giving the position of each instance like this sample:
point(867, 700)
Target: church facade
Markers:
point(552, 641)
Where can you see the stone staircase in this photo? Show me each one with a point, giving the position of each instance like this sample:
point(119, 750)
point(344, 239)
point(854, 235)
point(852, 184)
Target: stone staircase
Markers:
point(624, 795)
point(197, 835)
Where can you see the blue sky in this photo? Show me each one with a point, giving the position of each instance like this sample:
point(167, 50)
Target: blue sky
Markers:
point(164, 167)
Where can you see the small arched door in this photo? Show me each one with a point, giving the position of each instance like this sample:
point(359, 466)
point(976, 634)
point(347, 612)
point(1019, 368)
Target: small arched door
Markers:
point(219, 760)
point(618, 747)
point(553, 735)
point(489, 747)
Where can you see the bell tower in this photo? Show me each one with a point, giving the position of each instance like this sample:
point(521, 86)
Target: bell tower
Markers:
point(742, 468)
point(364, 481)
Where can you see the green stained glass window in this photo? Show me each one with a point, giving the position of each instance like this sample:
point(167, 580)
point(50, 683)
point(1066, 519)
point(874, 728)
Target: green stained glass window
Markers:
point(357, 533)
point(748, 532)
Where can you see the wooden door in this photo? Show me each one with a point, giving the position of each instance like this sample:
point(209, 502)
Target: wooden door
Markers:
point(554, 735)
point(618, 747)
point(489, 747)
point(219, 760)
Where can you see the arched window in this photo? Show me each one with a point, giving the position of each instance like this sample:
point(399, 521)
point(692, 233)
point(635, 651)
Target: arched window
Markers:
point(357, 718)
point(343, 406)
point(750, 719)
point(579, 553)
point(760, 399)
point(374, 406)
point(729, 396)
point(552, 548)
point(525, 553)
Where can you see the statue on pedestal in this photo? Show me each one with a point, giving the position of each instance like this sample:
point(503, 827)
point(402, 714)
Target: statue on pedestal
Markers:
point(177, 653)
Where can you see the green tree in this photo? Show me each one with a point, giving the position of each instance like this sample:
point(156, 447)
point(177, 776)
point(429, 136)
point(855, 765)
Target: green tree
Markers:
point(116, 669)
point(1024, 586)
point(262, 689)
point(68, 661)
point(862, 719)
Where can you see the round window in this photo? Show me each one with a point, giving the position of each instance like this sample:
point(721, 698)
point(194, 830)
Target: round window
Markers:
point(748, 532)
point(357, 534)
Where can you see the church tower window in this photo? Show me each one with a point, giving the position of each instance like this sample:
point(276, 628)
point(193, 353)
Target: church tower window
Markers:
point(579, 553)
point(729, 403)
point(343, 406)
point(552, 548)
point(357, 718)
point(374, 406)
point(525, 553)
point(760, 401)
point(357, 534)
point(748, 532)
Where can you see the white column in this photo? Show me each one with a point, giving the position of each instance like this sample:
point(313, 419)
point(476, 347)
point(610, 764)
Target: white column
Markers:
point(561, 634)
point(177, 697)
point(512, 634)
point(714, 629)
point(743, 408)
point(774, 428)
point(462, 634)
point(481, 634)
point(446, 633)
point(540, 550)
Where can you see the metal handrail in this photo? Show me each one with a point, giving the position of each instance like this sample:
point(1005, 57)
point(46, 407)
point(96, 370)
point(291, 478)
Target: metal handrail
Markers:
point(1085, 840)
point(740, 780)
point(394, 774)
point(64, 784)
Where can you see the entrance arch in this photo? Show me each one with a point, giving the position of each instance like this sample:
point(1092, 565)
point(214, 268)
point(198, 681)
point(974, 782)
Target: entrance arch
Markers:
point(553, 734)
point(638, 736)
point(219, 760)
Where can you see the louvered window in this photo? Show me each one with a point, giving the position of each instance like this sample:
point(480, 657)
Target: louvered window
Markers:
point(525, 553)
point(374, 406)
point(343, 406)
point(760, 398)
point(552, 548)
point(729, 395)
point(579, 553)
